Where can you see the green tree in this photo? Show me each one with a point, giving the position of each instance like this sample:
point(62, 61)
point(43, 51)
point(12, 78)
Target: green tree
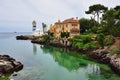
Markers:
point(96, 10)
point(111, 21)
point(85, 24)
point(117, 14)
point(50, 33)
point(44, 26)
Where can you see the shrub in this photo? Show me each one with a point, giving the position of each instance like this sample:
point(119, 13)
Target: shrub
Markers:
point(90, 45)
point(79, 45)
point(109, 40)
point(83, 42)
point(94, 29)
point(65, 34)
point(115, 50)
point(77, 37)
point(47, 37)
point(100, 38)
point(86, 39)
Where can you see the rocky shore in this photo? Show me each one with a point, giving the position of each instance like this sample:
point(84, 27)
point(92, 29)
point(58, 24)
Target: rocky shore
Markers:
point(27, 37)
point(101, 55)
point(9, 65)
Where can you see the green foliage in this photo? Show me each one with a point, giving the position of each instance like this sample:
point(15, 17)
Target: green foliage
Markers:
point(94, 29)
point(86, 24)
point(115, 50)
point(47, 37)
point(111, 21)
point(83, 42)
point(100, 38)
point(79, 45)
point(7, 77)
point(90, 45)
point(65, 34)
point(115, 31)
point(117, 14)
point(109, 40)
point(96, 10)
point(50, 33)
point(86, 39)
point(77, 37)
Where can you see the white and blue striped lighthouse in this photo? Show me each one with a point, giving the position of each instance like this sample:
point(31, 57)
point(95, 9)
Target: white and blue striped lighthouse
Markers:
point(33, 25)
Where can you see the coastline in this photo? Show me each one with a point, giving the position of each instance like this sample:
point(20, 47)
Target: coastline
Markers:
point(101, 55)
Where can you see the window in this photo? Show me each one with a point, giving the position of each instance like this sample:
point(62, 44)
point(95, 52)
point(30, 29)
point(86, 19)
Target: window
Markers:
point(74, 24)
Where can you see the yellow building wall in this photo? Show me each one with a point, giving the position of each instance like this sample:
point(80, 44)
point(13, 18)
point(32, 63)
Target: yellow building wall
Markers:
point(58, 27)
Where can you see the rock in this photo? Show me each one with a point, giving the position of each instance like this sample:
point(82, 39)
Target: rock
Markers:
point(115, 63)
point(27, 37)
point(104, 57)
point(14, 74)
point(21, 37)
point(8, 65)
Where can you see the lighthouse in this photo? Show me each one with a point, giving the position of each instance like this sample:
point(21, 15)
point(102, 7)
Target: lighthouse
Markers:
point(36, 32)
point(34, 25)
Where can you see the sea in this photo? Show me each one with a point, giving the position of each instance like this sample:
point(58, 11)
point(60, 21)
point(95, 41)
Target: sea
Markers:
point(44, 62)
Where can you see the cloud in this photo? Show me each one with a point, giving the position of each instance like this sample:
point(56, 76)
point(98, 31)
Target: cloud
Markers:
point(20, 13)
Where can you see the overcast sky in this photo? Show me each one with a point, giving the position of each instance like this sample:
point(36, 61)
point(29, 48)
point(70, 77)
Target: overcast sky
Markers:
point(17, 15)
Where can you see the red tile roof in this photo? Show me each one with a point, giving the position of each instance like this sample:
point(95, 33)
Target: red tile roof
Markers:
point(71, 20)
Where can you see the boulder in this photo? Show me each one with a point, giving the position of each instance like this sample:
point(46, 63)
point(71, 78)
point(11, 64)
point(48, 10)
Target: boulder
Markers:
point(8, 65)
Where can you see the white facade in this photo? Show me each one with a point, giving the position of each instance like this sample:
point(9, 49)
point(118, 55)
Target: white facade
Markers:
point(37, 32)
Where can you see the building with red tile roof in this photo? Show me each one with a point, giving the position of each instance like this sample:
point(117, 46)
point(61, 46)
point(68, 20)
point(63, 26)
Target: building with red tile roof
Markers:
point(70, 25)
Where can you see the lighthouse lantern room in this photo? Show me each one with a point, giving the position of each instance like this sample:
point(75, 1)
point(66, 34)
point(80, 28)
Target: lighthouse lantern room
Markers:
point(34, 25)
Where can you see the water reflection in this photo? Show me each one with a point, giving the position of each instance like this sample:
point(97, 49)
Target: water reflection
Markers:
point(75, 65)
point(75, 62)
point(93, 68)
point(34, 49)
point(93, 72)
point(63, 59)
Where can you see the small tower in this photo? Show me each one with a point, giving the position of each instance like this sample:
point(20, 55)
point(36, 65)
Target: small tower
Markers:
point(34, 25)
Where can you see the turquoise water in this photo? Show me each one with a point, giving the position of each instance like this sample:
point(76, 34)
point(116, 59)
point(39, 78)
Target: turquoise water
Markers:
point(43, 62)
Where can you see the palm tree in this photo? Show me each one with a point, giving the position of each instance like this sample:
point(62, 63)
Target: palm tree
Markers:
point(44, 26)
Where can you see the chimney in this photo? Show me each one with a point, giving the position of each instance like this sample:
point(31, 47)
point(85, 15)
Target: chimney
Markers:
point(76, 18)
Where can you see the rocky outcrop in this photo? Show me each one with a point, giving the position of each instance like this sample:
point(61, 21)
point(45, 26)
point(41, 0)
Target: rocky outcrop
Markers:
point(103, 56)
point(56, 44)
point(39, 41)
point(115, 63)
point(100, 55)
point(8, 65)
point(27, 37)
